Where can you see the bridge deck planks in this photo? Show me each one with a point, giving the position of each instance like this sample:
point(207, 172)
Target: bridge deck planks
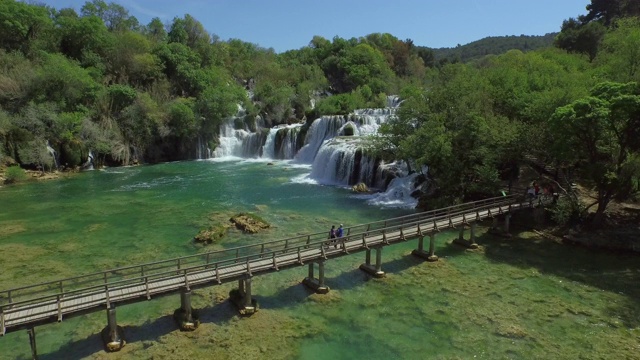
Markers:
point(31, 313)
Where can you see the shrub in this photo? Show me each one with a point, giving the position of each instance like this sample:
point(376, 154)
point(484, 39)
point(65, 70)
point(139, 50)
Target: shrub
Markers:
point(568, 211)
point(14, 174)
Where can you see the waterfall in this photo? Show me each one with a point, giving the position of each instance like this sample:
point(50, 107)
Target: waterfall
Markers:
point(52, 152)
point(88, 165)
point(397, 194)
point(281, 142)
point(321, 129)
point(268, 151)
point(332, 146)
point(230, 141)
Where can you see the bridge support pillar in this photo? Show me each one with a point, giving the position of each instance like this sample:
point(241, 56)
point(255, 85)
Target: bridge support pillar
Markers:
point(507, 223)
point(112, 335)
point(419, 252)
point(318, 284)
point(471, 243)
point(185, 315)
point(242, 299)
point(375, 271)
point(32, 342)
point(494, 224)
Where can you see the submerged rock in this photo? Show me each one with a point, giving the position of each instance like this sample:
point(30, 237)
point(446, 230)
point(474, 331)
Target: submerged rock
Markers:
point(210, 235)
point(249, 223)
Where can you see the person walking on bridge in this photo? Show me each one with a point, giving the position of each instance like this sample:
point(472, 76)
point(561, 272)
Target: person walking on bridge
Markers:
point(339, 233)
point(332, 235)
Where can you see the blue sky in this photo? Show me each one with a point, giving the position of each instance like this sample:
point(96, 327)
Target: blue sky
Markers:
point(291, 24)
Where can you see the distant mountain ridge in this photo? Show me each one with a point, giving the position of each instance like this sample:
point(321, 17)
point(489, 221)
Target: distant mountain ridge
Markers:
point(493, 45)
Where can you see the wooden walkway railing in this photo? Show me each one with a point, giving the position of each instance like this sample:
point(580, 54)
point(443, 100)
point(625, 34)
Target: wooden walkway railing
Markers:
point(51, 301)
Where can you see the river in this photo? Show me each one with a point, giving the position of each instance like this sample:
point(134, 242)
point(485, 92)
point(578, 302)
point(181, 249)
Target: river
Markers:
point(517, 298)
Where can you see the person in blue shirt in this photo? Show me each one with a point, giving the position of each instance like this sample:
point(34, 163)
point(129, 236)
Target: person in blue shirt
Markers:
point(339, 233)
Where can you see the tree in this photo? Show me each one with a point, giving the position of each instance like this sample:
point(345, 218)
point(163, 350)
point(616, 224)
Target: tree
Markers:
point(114, 16)
point(21, 24)
point(608, 10)
point(620, 53)
point(600, 135)
point(155, 30)
point(580, 38)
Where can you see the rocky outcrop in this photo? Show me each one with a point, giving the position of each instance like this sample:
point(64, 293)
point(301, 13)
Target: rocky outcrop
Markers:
point(211, 235)
point(360, 188)
point(249, 223)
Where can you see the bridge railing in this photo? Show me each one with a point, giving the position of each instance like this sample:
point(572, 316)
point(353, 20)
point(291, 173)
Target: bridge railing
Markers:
point(144, 273)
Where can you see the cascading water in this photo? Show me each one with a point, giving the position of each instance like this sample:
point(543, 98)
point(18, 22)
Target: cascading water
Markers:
point(88, 165)
point(52, 152)
point(332, 148)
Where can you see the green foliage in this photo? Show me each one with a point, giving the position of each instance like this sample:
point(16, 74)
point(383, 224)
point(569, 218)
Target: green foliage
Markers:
point(21, 24)
point(182, 119)
point(578, 38)
point(14, 174)
point(568, 211)
point(65, 83)
point(620, 54)
point(492, 45)
point(600, 134)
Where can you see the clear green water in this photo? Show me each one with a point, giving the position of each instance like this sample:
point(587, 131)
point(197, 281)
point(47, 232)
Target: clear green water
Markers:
point(520, 298)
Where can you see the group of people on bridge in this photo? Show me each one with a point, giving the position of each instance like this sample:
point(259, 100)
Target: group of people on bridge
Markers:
point(534, 191)
point(335, 234)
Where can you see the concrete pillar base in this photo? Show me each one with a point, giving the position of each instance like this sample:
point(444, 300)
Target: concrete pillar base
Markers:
point(314, 284)
point(186, 321)
point(186, 316)
point(240, 302)
point(371, 269)
point(424, 255)
point(466, 243)
point(112, 335)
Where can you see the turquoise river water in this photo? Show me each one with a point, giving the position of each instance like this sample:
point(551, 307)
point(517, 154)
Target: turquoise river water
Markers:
point(519, 298)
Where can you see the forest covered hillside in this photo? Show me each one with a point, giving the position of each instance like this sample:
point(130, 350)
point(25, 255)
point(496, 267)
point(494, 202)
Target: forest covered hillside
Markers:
point(492, 45)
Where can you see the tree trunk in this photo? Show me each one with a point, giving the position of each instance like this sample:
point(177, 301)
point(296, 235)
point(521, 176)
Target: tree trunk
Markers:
point(603, 202)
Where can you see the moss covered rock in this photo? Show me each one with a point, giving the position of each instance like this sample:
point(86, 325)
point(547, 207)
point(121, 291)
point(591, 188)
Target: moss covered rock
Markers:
point(210, 235)
point(249, 223)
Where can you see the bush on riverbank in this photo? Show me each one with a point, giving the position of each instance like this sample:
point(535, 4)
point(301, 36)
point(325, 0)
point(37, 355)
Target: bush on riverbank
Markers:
point(14, 174)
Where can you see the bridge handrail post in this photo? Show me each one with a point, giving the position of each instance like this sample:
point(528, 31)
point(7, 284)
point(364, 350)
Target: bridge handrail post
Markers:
point(59, 303)
point(286, 244)
point(106, 281)
point(107, 297)
point(364, 241)
point(61, 288)
point(207, 260)
point(262, 251)
point(308, 241)
point(237, 254)
point(249, 267)
point(146, 285)
point(3, 330)
point(186, 279)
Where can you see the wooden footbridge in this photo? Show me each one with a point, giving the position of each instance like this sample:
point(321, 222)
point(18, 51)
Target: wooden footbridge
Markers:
point(28, 306)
